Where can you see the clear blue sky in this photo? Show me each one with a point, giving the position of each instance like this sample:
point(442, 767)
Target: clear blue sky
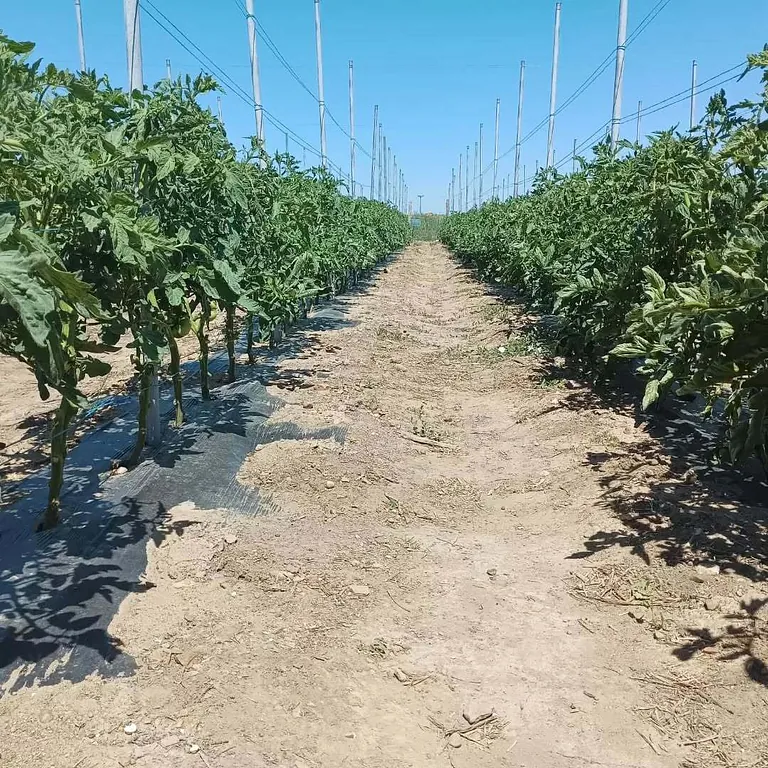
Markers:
point(434, 68)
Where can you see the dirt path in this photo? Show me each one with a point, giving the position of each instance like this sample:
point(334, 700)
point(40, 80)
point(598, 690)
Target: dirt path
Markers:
point(427, 571)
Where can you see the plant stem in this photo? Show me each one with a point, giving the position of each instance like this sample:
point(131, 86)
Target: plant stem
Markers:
point(229, 332)
point(178, 390)
point(64, 415)
point(202, 339)
point(144, 400)
point(249, 337)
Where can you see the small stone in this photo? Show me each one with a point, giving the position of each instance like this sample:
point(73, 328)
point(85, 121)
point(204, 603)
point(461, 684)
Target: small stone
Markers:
point(230, 538)
point(329, 484)
point(473, 713)
point(257, 448)
point(193, 749)
point(492, 571)
point(401, 676)
point(360, 589)
point(309, 406)
point(121, 470)
point(707, 571)
point(502, 350)
point(712, 604)
point(455, 740)
point(349, 735)
point(130, 729)
point(354, 563)
point(170, 741)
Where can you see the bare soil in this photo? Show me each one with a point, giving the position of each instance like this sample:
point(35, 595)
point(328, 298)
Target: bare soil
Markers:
point(493, 569)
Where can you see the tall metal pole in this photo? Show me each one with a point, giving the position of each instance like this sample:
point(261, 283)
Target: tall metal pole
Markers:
point(386, 172)
point(218, 107)
point(320, 85)
point(133, 42)
point(460, 195)
point(496, 151)
point(420, 199)
point(474, 179)
point(573, 168)
point(694, 72)
point(389, 177)
point(466, 182)
point(287, 150)
point(80, 37)
point(394, 181)
point(453, 190)
point(352, 144)
point(553, 88)
point(255, 79)
point(480, 167)
point(373, 152)
point(520, 93)
point(618, 83)
point(639, 115)
point(380, 166)
point(168, 72)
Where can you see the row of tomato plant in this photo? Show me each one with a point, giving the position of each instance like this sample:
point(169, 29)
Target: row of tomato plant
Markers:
point(656, 253)
point(131, 215)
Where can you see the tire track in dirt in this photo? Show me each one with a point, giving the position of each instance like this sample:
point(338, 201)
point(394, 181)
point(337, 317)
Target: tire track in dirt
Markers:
point(415, 572)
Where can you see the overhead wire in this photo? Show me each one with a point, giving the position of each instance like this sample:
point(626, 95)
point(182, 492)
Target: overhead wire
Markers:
point(588, 81)
point(204, 60)
point(270, 43)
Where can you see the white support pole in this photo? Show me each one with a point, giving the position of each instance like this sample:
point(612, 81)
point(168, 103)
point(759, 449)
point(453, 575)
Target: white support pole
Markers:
point(474, 179)
point(133, 45)
point(618, 83)
point(694, 72)
point(352, 144)
point(460, 195)
point(255, 78)
point(373, 152)
point(573, 159)
point(496, 151)
point(380, 166)
point(480, 167)
point(394, 180)
point(453, 190)
point(639, 116)
point(520, 93)
point(168, 71)
point(320, 83)
point(218, 106)
point(466, 182)
point(386, 171)
point(553, 88)
point(80, 36)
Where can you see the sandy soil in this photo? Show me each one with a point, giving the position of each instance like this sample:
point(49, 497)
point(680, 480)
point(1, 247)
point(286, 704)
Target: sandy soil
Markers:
point(493, 569)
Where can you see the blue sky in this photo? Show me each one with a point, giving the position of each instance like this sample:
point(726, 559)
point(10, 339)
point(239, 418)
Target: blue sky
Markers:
point(435, 68)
